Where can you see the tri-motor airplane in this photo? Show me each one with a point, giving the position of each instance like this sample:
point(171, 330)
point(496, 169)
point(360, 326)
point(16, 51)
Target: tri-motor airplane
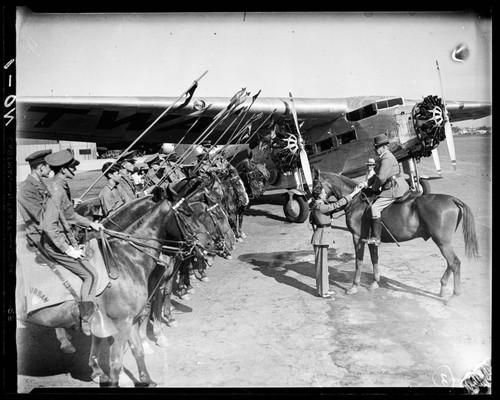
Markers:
point(289, 134)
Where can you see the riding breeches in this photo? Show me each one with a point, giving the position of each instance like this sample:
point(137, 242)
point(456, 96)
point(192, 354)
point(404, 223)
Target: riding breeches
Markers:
point(82, 268)
point(379, 204)
point(322, 275)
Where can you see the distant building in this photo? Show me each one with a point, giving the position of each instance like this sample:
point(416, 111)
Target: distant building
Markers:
point(82, 150)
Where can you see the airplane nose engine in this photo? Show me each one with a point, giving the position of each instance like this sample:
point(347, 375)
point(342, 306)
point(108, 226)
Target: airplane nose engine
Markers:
point(285, 151)
point(428, 121)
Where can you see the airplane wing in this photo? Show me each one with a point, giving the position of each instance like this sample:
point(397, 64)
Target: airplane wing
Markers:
point(120, 120)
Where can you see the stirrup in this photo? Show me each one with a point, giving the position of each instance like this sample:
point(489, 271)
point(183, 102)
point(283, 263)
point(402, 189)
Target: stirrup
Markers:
point(373, 240)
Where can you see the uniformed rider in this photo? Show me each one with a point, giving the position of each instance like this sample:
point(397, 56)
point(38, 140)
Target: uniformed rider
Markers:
point(58, 238)
point(320, 219)
point(112, 196)
point(31, 196)
point(387, 182)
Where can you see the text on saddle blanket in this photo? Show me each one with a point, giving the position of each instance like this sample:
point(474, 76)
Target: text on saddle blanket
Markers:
point(43, 288)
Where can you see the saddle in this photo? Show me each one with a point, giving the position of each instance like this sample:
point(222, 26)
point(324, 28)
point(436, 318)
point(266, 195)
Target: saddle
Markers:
point(42, 289)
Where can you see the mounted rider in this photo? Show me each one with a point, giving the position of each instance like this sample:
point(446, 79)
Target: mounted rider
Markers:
point(31, 197)
point(58, 238)
point(388, 181)
point(112, 196)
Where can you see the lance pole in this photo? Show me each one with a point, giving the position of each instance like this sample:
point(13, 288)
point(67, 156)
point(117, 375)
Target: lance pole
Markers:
point(194, 84)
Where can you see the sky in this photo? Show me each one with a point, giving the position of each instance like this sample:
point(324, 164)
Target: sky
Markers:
point(324, 54)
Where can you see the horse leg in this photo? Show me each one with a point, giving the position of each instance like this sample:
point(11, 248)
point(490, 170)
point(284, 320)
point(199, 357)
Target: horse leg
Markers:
point(167, 304)
point(376, 275)
point(117, 349)
point(64, 339)
point(157, 306)
point(359, 247)
point(143, 321)
point(453, 265)
point(138, 353)
point(98, 375)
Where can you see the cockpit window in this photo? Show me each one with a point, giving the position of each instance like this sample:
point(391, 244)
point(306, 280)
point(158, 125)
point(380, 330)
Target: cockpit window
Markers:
point(361, 113)
point(398, 101)
point(371, 109)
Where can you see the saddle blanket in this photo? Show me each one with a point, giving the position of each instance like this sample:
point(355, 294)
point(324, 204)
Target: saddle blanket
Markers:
point(43, 288)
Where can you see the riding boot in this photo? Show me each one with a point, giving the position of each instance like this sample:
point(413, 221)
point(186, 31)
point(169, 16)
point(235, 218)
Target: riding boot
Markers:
point(376, 232)
point(86, 312)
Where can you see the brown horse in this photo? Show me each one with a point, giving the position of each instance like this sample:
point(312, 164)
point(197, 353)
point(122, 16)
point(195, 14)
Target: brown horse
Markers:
point(127, 295)
point(430, 216)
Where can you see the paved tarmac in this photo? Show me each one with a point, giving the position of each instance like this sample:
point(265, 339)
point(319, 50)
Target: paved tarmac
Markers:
point(258, 323)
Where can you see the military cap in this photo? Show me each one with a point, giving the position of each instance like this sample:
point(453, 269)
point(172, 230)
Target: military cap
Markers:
point(38, 157)
point(172, 157)
point(142, 166)
point(114, 168)
point(206, 143)
point(153, 158)
point(380, 140)
point(371, 161)
point(62, 158)
point(127, 156)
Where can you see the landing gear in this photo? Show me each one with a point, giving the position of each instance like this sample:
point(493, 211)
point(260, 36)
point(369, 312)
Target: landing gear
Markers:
point(295, 207)
point(416, 183)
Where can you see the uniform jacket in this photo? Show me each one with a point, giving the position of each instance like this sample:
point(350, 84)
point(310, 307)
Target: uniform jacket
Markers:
point(59, 217)
point(321, 213)
point(386, 169)
point(31, 197)
point(112, 198)
point(173, 172)
point(128, 185)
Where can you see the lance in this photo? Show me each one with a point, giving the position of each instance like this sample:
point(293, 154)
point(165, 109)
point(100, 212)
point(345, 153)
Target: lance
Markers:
point(190, 91)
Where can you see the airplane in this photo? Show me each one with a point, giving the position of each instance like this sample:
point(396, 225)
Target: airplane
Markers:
point(290, 135)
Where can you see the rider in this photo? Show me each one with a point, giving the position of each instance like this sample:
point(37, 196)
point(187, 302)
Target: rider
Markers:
point(321, 211)
point(126, 163)
point(388, 181)
point(58, 238)
point(31, 197)
point(112, 196)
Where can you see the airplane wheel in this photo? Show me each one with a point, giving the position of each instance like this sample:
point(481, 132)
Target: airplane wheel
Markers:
point(296, 209)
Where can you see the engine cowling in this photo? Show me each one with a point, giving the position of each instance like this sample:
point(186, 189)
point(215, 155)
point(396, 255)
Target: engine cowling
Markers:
point(428, 121)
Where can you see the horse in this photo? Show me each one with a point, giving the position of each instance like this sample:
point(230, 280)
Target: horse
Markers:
point(125, 298)
point(254, 176)
point(429, 216)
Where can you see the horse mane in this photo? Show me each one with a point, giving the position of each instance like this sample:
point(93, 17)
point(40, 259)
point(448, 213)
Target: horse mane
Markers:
point(336, 184)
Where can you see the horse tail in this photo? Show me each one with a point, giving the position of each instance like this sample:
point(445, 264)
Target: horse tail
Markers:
point(468, 228)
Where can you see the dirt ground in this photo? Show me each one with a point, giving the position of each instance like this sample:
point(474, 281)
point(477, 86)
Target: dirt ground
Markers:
point(259, 324)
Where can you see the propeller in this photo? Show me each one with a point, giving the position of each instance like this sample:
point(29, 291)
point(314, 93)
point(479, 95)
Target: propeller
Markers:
point(304, 160)
point(447, 125)
point(437, 163)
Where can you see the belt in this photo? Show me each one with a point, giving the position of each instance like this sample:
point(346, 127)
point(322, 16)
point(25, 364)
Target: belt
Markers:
point(322, 225)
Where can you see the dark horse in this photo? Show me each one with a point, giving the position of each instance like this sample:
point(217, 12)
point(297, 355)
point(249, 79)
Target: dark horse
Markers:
point(128, 294)
point(434, 216)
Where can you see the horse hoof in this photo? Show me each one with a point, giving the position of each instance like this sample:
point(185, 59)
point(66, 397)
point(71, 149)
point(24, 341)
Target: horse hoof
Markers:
point(352, 290)
point(190, 289)
point(100, 378)
point(239, 240)
point(373, 286)
point(205, 279)
point(242, 235)
point(68, 348)
point(172, 322)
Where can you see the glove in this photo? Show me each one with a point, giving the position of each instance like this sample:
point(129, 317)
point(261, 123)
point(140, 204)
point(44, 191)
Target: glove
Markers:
point(77, 202)
point(96, 226)
point(74, 253)
point(361, 185)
